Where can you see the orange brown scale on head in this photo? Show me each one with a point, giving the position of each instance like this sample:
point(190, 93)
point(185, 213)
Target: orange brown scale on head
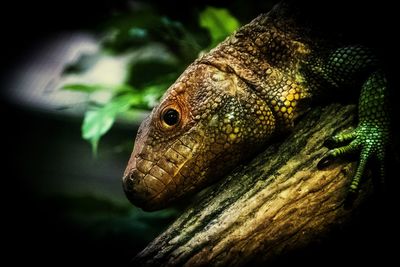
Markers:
point(200, 130)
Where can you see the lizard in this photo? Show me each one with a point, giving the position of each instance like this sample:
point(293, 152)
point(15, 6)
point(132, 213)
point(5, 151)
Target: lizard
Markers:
point(228, 104)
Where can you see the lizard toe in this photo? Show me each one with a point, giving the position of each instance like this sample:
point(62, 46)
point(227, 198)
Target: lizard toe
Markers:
point(337, 152)
point(373, 140)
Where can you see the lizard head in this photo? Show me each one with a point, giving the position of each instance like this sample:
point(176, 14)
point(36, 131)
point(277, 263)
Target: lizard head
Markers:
point(206, 122)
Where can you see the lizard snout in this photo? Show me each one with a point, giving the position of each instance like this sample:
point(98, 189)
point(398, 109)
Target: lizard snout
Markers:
point(140, 191)
point(132, 191)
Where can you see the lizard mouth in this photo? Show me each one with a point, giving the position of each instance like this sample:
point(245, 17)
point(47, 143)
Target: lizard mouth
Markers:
point(145, 191)
point(136, 197)
point(153, 184)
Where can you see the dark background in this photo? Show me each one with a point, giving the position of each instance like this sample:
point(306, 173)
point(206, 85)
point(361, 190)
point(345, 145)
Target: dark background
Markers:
point(37, 229)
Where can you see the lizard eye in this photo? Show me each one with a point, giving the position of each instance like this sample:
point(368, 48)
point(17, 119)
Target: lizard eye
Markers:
point(171, 117)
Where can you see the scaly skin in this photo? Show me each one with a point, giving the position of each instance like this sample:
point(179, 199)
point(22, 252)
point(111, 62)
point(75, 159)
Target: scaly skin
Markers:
point(228, 103)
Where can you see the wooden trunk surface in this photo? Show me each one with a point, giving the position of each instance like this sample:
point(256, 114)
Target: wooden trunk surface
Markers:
point(277, 203)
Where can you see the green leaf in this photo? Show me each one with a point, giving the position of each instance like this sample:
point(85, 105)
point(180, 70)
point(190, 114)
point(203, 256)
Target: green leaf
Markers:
point(219, 23)
point(87, 88)
point(137, 33)
point(123, 89)
point(153, 93)
point(98, 121)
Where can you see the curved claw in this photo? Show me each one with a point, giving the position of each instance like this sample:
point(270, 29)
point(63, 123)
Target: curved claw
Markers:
point(325, 161)
point(336, 152)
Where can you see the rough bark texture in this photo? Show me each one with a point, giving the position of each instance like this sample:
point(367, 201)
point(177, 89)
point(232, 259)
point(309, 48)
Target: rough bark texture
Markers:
point(278, 202)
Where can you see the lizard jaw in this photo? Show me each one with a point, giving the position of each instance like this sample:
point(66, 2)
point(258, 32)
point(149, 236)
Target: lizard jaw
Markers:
point(152, 183)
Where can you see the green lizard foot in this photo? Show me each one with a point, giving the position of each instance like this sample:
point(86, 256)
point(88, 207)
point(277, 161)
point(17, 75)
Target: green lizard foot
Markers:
point(368, 139)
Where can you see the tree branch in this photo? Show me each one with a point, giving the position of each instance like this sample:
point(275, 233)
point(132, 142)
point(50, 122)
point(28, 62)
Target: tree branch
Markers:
point(278, 202)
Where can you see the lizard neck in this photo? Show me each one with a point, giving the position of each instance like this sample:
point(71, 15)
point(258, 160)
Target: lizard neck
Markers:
point(268, 60)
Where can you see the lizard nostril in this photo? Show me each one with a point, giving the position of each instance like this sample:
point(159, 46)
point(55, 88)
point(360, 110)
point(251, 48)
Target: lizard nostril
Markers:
point(129, 180)
point(139, 193)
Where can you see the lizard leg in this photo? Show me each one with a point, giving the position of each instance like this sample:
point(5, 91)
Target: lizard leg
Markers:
point(371, 136)
point(340, 138)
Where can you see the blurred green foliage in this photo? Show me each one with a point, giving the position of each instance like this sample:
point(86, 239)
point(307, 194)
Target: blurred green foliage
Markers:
point(99, 120)
point(157, 50)
point(219, 23)
point(110, 218)
point(100, 228)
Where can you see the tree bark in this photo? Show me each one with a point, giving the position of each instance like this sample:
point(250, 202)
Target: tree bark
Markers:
point(278, 202)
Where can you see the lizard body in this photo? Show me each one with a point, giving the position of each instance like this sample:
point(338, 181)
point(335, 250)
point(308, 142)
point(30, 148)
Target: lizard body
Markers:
point(228, 104)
